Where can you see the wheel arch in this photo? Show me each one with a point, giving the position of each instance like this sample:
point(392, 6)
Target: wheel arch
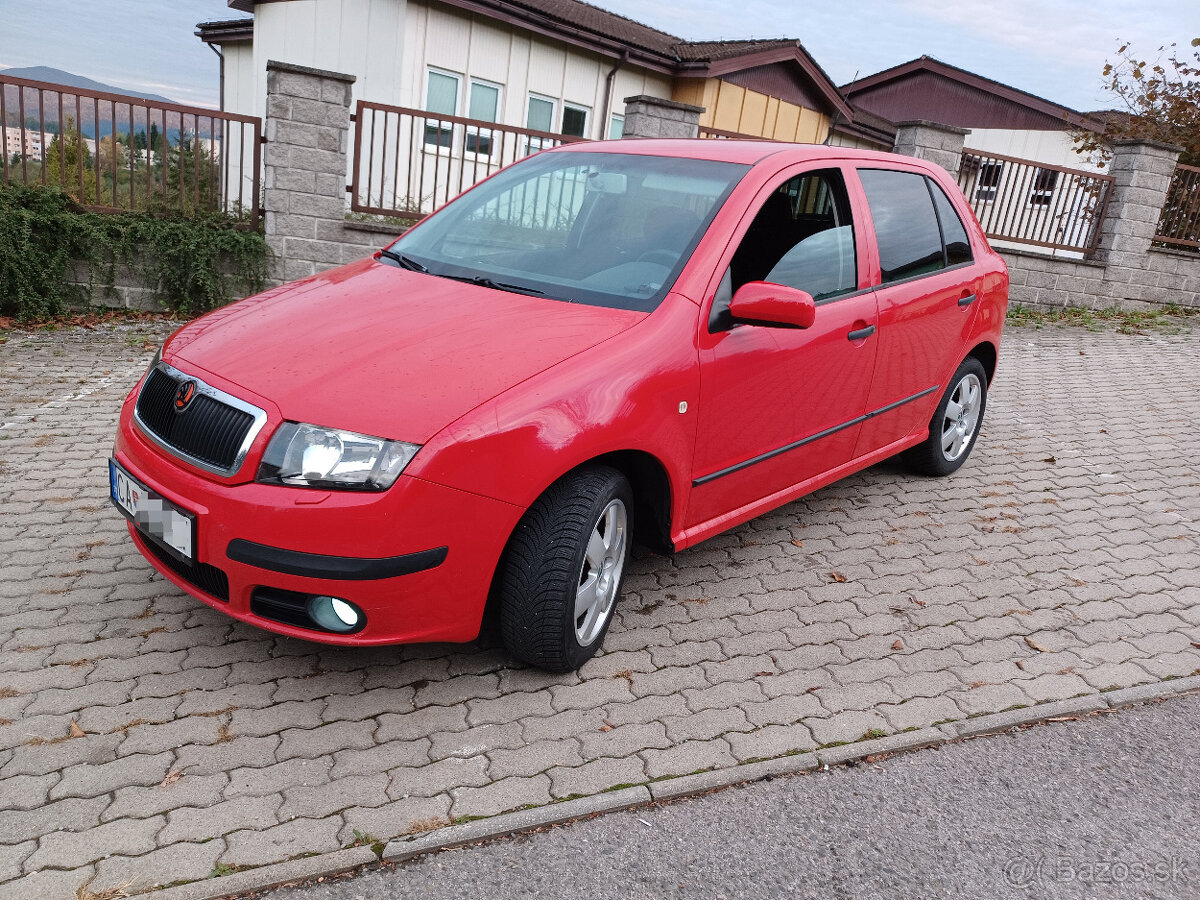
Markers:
point(985, 352)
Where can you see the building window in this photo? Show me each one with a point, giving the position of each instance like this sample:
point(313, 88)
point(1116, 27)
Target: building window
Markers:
point(575, 120)
point(1044, 181)
point(441, 98)
point(484, 106)
point(616, 127)
point(540, 117)
point(988, 181)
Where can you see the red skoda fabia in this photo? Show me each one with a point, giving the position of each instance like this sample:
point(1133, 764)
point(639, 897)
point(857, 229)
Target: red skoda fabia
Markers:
point(651, 340)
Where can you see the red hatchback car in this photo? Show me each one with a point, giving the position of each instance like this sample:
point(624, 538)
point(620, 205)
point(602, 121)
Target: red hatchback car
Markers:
point(650, 339)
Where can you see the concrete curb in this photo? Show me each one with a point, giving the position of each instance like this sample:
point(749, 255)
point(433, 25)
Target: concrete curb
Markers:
point(520, 820)
point(403, 849)
point(267, 877)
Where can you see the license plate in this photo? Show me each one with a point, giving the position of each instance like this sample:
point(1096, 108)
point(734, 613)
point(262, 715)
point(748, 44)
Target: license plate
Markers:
point(157, 518)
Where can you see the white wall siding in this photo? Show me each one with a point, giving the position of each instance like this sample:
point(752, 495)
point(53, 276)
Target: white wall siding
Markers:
point(1053, 147)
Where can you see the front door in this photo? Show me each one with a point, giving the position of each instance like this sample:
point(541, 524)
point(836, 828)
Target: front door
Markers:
point(779, 406)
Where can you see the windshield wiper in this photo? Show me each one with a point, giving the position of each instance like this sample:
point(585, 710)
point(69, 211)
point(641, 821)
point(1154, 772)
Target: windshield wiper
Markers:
point(403, 261)
point(484, 281)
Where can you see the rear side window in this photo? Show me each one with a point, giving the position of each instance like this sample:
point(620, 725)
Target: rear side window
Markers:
point(954, 235)
point(906, 226)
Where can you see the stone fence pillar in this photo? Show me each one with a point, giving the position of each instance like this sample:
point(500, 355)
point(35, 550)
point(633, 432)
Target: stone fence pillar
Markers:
point(308, 118)
point(940, 144)
point(653, 117)
point(1142, 172)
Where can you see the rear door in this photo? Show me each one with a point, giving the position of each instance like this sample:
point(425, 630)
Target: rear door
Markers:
point(926, 296)
point(780, 405)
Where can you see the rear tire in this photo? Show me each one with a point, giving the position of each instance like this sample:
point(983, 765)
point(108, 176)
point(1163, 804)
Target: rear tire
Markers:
point(955, 425)
point(562, 571)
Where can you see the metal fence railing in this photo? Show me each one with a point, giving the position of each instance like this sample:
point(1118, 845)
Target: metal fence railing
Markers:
point(1028, 202)
point(120, 153)
point(1179, 222)
point(408, 162)
point(717, 134)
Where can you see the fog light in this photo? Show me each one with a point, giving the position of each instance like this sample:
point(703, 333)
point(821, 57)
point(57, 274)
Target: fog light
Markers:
point(335, 614)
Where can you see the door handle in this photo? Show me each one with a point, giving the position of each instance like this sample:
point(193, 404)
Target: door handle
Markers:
point(860, 333)
point(966, 301)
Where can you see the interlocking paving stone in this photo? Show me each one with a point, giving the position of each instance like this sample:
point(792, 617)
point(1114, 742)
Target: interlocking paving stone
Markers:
point(1015, 582)
point(254, 848)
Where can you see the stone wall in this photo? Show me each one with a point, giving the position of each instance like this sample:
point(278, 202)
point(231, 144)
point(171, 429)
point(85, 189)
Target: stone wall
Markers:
point(653, 117)
point(1126, 271)
point(307, 124)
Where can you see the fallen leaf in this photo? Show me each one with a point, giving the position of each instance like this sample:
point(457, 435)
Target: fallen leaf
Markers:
point(1063, 719)
point(1049, 459)
point(76, 731)
point(606, 728)
point(837, 576)
point(1196, 644)
point(1020, 665)
point(921, 603)
point(1040, 648)
point(173, 776)
point(798, 543)
point(814, 688)
point(898, 645)
point(763, 674)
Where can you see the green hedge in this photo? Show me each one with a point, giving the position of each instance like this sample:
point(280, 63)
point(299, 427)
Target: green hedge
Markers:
point(194, 263)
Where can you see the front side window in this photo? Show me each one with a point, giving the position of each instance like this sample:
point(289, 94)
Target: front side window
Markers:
point(802, 237)
point(441, 98)
point(611, 229)
point(906, 226)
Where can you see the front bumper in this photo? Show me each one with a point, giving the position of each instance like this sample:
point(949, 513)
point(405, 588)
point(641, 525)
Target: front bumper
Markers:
point(417, 559)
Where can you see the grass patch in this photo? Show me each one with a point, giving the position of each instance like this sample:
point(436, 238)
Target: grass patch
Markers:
point(1169, 318)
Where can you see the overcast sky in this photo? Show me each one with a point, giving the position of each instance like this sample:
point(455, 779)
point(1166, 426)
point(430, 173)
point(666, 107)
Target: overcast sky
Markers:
point(1052, 48)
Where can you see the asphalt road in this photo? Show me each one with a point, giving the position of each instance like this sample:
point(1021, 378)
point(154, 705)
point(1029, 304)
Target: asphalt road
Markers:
point(1104, 806)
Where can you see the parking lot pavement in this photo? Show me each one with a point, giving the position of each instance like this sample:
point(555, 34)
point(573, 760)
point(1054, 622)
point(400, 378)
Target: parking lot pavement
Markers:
point(1061, 561)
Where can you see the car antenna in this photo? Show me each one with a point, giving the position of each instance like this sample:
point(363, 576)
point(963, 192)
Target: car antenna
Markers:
point(836, 113)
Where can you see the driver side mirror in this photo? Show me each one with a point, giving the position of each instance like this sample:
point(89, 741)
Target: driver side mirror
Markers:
point(772, 305)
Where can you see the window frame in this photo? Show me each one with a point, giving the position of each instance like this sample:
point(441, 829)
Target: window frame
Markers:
point(474, 130)
point(436, 146)
point(615, 119)
point(575, 107)
point(536, 144)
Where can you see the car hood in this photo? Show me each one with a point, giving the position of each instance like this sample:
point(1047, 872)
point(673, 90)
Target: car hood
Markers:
point(385, 351)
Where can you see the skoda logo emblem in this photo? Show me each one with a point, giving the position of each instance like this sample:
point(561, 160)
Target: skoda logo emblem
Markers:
point(184, 395)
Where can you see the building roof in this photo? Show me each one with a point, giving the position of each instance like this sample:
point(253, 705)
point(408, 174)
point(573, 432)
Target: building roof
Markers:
point(897, 93)
point(612, 35)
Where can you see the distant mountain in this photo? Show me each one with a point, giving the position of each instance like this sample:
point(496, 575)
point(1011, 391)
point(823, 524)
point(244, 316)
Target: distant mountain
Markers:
point(58, 76)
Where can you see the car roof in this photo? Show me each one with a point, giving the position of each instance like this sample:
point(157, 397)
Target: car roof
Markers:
point(730, 150)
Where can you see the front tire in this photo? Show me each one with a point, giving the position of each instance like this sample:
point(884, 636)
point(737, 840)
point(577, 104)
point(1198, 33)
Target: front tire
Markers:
point(955, 425)
point(562, 571)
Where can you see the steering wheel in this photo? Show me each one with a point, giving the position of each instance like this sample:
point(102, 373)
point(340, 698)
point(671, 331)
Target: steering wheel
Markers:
point(661, 257)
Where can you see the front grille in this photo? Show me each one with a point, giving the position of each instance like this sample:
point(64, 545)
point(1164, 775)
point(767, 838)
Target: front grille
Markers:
point(201, 576)
point(208, 430)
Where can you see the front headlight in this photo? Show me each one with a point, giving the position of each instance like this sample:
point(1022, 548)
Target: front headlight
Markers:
point(311, 456)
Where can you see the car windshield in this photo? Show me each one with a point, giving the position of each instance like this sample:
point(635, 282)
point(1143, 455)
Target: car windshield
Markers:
point(607, 229)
